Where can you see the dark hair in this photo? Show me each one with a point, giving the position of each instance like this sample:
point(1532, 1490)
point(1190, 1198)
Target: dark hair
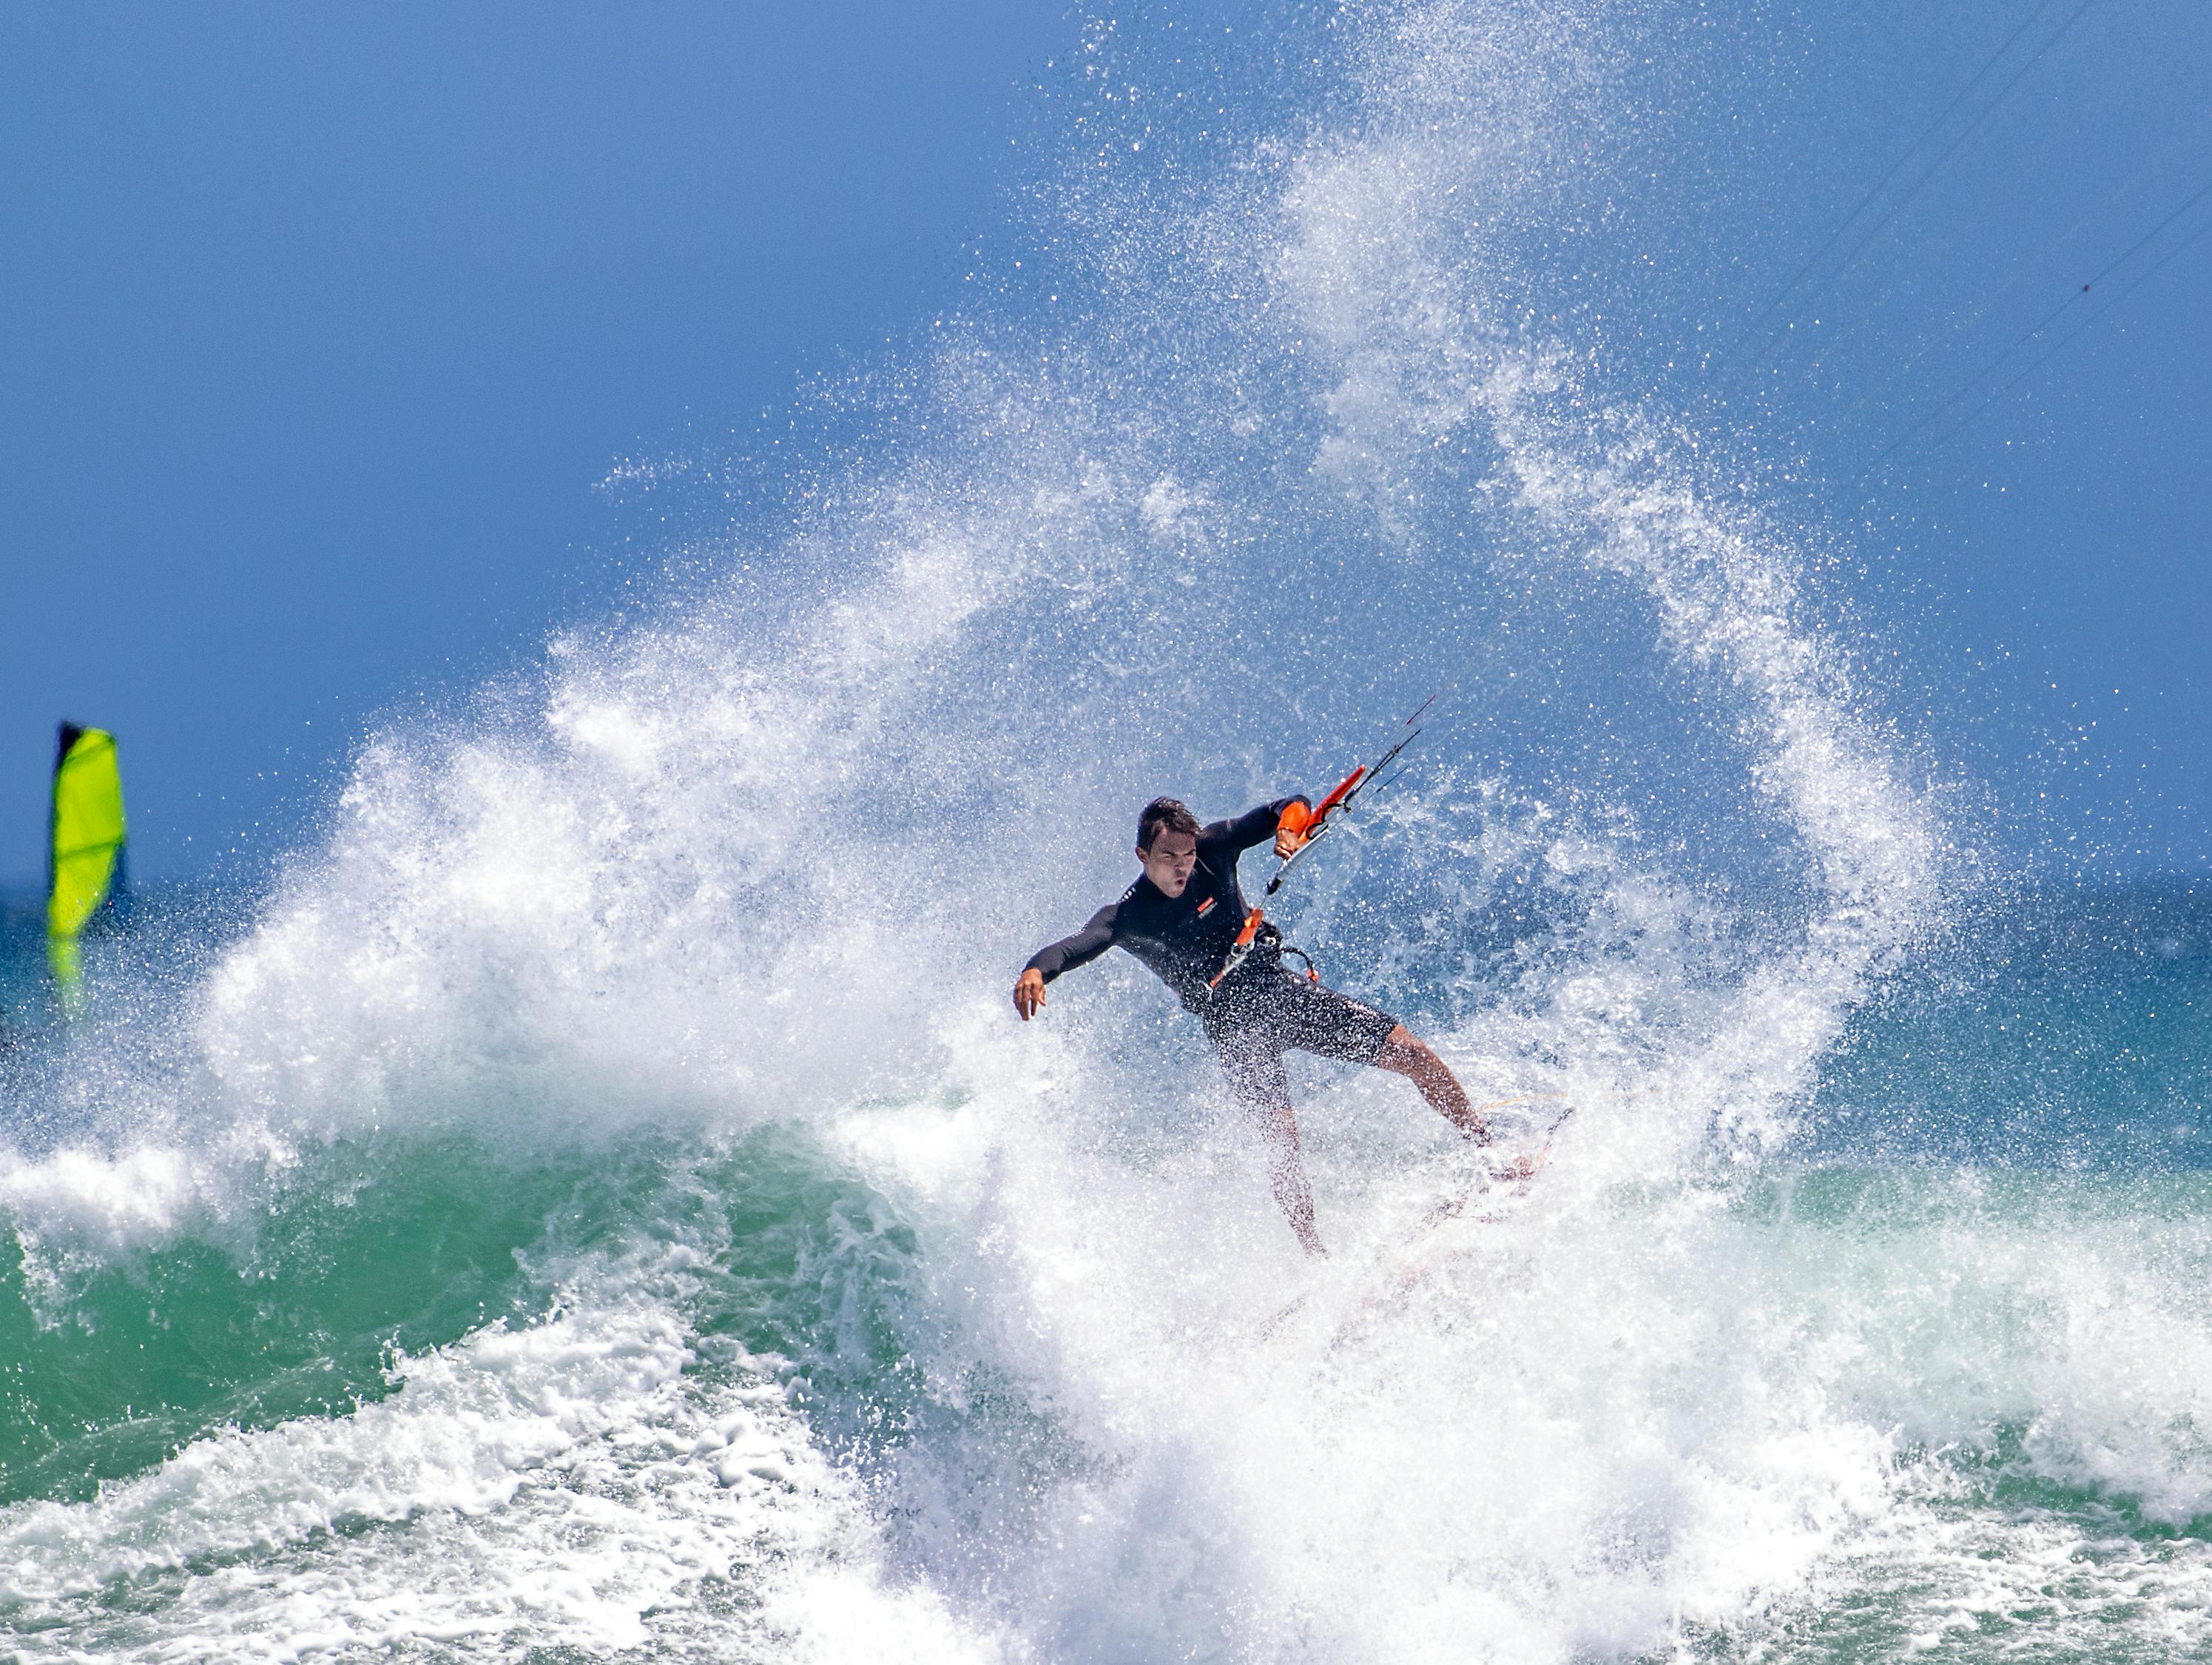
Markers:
point(1164, 815)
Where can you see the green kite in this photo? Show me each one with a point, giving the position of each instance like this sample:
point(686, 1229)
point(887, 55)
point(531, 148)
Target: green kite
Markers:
point(84, 851)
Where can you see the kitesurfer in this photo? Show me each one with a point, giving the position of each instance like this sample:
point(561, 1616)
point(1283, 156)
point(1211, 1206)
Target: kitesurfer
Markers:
point(1183, 917)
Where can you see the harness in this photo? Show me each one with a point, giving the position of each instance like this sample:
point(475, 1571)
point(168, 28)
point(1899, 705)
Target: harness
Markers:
point(1259, 932)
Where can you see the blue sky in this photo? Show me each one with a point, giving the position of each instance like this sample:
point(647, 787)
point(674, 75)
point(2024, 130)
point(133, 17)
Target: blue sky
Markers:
point(324, 323)
point(2046, 564)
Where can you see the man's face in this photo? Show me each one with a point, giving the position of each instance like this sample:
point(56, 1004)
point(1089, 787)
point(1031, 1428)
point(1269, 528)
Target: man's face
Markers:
point(1168, 863)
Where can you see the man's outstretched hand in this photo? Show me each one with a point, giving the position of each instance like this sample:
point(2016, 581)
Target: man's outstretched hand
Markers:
point(1029, 994)
point(1290, 830)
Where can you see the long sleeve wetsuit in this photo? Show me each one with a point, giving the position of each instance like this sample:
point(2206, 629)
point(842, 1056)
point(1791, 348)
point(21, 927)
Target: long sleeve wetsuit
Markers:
point(1184, 939)
point(1259, 1010)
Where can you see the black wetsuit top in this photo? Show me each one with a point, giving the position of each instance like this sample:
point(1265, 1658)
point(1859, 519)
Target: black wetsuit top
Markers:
point(1184, 939)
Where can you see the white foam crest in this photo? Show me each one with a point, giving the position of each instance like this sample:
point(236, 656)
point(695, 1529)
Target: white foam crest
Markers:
point(109, 1205)
point(2066, 1310)
point(1615, 1420)
point(1553, 1443)
point(1947, 1581)
point(565, 1485)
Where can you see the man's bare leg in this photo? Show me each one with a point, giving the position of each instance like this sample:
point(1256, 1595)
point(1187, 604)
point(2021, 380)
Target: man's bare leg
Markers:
point(1404, 1053)
point(1286, 1174)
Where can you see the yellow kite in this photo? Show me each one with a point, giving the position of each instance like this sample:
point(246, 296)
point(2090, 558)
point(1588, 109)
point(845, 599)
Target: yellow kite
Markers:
point(84, 853)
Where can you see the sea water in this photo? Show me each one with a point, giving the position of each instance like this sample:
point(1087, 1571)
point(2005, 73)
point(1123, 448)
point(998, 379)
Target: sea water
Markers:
point(593, 1200)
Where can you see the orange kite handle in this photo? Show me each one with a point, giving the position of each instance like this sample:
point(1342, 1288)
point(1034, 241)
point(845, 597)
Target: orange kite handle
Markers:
point(1343, 790)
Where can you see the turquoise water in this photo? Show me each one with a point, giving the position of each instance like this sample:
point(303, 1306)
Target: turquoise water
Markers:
point(592, 1199)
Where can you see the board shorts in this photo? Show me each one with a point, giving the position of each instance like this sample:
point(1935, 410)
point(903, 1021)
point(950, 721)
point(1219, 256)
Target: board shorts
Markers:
point(1253, 1021)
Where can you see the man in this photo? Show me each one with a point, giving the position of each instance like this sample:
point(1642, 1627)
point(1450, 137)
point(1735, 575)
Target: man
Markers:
point(1181, 918)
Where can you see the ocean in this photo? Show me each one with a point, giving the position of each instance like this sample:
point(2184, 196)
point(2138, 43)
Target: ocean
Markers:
point(590, 1198)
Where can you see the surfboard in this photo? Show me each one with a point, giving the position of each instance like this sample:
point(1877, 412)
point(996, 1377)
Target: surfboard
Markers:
point(1493, 1191)
point(1513, 1180)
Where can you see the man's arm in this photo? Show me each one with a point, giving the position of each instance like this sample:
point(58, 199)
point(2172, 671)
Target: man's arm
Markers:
point(1047, 962)
point(1253, 827)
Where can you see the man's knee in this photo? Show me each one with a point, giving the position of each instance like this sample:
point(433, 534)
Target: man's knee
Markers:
point(1406, 1052)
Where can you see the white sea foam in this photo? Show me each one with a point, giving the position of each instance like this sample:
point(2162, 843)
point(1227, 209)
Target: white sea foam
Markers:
point(564, 1486)
point(1944, 1582)
point(112, 1202)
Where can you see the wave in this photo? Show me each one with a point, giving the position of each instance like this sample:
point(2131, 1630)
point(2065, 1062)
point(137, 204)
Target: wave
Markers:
point(840, 1313)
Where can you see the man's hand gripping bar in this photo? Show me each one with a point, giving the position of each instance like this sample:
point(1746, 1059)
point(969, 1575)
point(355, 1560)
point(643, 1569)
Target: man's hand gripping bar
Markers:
point(1324, 813)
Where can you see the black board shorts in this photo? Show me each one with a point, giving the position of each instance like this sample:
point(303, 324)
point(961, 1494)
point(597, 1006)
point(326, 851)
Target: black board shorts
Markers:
point(1253, 1021)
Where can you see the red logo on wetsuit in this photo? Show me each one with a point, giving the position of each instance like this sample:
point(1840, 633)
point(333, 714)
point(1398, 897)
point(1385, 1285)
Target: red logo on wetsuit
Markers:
point(1205, 907)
